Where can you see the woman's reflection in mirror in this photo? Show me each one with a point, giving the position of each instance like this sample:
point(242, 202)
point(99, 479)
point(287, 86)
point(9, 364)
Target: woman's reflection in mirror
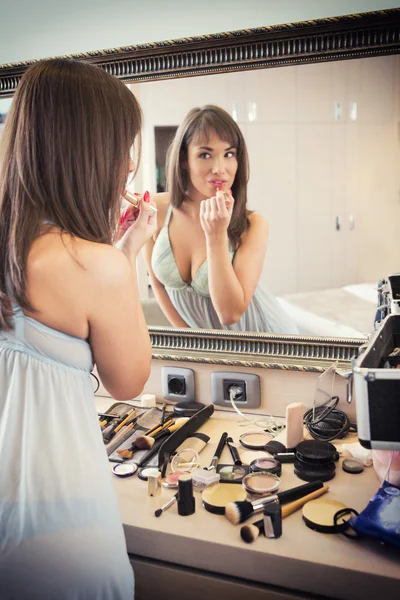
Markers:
point(206, 257)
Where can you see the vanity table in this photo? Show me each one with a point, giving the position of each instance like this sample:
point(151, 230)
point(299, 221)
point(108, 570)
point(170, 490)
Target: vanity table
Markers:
point(203, 556)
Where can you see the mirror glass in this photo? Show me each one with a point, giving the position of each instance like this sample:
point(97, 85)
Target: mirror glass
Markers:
point(323, 144)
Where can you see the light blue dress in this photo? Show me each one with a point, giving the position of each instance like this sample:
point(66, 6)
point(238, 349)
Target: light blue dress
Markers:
point(193, 302)
point(60, 531)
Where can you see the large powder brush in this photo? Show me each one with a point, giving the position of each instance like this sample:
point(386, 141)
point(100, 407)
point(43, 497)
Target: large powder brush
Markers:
point(239, 512)
point(249, 533)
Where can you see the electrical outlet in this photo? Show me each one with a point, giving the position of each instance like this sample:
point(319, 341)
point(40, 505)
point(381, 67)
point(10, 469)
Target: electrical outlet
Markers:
point(178, 384)
point(250, 384)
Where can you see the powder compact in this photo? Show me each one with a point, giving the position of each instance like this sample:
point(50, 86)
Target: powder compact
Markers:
point(216, 497)
point(261, 484)
point(255, 439)
point(268, 464)
point(124, 470)
point(320, 515)
point(315, 460)
point(232, 473)
point(171, 480)
point(143, 474)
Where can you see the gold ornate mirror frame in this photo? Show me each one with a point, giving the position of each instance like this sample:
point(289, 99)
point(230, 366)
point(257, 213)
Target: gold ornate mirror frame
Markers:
point(337, 38)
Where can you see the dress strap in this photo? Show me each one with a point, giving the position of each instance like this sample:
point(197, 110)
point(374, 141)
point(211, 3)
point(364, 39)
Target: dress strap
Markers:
point(168, 216)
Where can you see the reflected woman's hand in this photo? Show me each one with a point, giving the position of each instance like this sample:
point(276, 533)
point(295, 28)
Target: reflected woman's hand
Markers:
point(216, 213)
point(137, 225)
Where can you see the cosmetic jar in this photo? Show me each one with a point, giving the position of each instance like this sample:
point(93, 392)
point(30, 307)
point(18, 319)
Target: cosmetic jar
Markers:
point(232, 473)
point(124, 470)
point(203, 479)
point(315, 460)
point(255, 440)
point(185, 461)
point(154, 484)
point(261, 484)
point(267, 464)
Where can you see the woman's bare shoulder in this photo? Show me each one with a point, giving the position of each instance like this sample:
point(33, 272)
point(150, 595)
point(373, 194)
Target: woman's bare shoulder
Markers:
point(258, 223)
point(66, 277)
point(57, 255)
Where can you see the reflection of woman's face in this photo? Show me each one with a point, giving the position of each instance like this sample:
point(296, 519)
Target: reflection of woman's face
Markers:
point(212, 163)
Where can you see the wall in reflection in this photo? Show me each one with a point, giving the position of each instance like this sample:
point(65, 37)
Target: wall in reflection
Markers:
point(323, 142)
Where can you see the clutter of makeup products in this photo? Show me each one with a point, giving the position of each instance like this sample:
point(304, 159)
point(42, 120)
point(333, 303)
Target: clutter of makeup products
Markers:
point(163, 448)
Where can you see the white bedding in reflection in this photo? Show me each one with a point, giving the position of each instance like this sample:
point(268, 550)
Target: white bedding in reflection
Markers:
point(339, 312)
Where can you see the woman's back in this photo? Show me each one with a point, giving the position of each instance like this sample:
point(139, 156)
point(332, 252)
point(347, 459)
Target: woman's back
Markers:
point(68, 299)
point(59, 522)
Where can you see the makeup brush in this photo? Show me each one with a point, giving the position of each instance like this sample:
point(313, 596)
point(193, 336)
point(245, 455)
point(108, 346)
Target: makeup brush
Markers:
point(170, 502)
point(119, 438)
point(218, 452)
point(111, 415)
point(127, 420)
point(164, 408)
point(110, 433)
point(234, 451)
point(145, 442)
point(238, 512)
point(249, 533)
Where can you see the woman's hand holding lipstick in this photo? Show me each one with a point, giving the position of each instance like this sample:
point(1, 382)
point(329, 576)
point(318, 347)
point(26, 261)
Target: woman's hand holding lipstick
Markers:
point(216, 213)
point(138, 223)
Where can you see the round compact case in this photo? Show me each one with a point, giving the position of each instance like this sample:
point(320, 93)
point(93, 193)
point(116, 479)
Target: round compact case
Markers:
point(255, 440)
point(315, 460)
point(261, 484)
point(266, 464)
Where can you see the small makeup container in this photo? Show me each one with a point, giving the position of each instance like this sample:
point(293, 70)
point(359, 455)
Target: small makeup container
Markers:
point(171, 480)
point(124, 470)
point(185, 461)
point(255, 439)
point(315, 460)
point(203, 479)
point(261, 484)
point(143, 474)
point(273, 520)
point(267, 464)
point(232, 473)
point(154, 484)
point(186, 501)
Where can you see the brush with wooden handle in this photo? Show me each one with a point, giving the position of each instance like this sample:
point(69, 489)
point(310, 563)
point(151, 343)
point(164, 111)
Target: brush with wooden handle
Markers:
point(128, 419)
point(249, 533)
point(119, 439)
point(146, 441)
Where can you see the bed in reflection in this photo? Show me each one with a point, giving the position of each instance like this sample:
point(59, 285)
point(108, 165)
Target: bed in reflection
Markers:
point(348, 311)
point(339, 312)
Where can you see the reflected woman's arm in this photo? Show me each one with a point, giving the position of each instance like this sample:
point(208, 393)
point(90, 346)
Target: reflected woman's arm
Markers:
point(235, 281)
point(159, 291)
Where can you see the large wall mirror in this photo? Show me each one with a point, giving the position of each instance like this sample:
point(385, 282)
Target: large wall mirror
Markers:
point(323, 140)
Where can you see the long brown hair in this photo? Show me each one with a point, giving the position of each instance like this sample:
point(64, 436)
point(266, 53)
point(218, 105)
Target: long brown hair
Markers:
point(64, 158)
point(197, 125)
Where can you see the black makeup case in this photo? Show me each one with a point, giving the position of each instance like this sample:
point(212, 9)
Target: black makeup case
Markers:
point(376, 374)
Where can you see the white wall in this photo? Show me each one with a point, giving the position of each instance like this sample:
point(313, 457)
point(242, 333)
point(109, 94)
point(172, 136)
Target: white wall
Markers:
point(32, 29)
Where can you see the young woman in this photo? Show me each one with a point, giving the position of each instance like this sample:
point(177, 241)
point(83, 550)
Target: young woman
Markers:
point(206, 257)
point(68, 298)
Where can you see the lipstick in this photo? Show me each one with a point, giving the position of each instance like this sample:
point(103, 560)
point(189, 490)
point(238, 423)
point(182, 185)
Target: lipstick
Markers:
point(135, 199)
point(226, 197)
